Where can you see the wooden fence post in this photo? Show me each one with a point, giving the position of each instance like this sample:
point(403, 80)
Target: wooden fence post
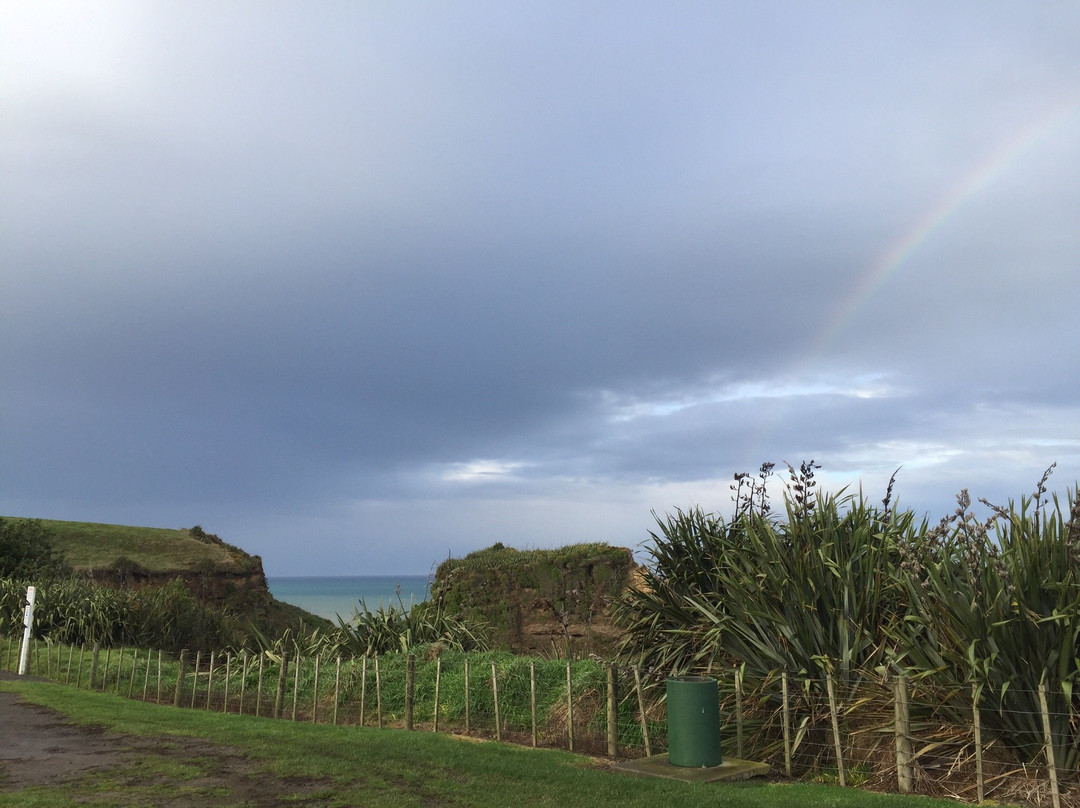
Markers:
point(119, 669)
point(315, 698)
point(337, 689)
point(836, 728)
point(532, 701)
point(131, 682)
point(159, 676)
point(228, 677)
point(146, 677)
point(78, 673)
point(195, 677)
point(378, 694)
point(71, 654)
point(569, 707)
point(243, 680)
point(279, 696)
point(438, 685)
point(902, 727)
point(787, 722)
point(495, 696)
point(641, 711)
point(179, 676)
point(363, 687)
point(1054, 793)
point(296, 684)
point(976, 715)
point(467, 710)
point(738, 713)
point(105, 674)
point(258, 686)
point(410, 685)
point(94, 665)
point(210, 680)
point(612, 713)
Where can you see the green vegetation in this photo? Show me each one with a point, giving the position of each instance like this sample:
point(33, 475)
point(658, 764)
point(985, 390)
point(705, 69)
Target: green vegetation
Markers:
point(25, 550)
point(398, 628)
point(90, 547)
point(499, 586)
point(68, 610)
point(116, 585)
point(844, 589)
point(341, 766)
point(367, 691)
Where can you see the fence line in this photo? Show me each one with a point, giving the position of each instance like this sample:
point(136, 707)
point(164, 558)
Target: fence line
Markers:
point(913, 735)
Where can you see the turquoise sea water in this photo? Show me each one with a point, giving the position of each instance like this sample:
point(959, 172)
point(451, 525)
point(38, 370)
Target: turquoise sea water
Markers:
point(330, 596)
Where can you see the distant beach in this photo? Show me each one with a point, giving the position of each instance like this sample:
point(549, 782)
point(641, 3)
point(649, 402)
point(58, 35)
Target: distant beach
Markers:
point(341, 595)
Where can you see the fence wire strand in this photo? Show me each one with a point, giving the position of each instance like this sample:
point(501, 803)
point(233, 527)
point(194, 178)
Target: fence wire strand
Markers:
point(526, 701)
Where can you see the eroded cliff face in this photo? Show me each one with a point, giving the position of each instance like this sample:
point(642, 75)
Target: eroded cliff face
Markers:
point(244, 592)
point(540, 601)
point(213, 586)
point(542, 630)
point(219, 573)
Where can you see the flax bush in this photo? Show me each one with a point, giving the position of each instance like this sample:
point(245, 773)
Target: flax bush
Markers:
point(811, 593)
point(838, 586)
point(74, 611)
point(997, 601)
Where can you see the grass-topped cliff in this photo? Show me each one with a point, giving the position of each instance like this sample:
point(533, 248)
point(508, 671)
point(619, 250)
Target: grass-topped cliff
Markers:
point(89, 547)
point(538, 600)
point(146, 559)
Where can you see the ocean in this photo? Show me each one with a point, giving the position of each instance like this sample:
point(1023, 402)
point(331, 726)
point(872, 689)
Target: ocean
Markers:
point(331, 596)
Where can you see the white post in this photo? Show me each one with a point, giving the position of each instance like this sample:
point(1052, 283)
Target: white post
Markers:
point(28, 622)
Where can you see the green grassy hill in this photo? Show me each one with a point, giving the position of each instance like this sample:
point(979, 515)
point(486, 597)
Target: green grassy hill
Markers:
point(90, 547)
point(214, 570)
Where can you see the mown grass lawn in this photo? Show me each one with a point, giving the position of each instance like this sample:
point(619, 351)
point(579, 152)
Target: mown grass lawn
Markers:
point(344, 766)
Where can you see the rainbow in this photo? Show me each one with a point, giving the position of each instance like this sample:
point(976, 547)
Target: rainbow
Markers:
point(943, 210)
point(897, 254)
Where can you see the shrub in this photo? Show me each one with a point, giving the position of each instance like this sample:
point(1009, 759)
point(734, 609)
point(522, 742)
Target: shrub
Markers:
point(25, 550)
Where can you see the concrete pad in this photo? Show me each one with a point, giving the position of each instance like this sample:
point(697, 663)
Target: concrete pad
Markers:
point(658, 766)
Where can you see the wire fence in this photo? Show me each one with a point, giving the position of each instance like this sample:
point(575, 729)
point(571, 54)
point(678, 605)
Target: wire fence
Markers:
point(903, 733)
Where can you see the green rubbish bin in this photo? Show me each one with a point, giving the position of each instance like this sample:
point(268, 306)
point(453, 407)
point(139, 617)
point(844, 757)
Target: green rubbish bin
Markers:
point(693, 717)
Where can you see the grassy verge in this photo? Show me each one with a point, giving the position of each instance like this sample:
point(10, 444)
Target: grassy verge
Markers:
point(357, 766)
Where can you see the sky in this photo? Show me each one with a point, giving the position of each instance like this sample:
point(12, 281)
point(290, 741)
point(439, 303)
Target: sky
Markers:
point(359, 286)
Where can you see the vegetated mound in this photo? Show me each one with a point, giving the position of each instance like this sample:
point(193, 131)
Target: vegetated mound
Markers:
point(539, 601)
point(213, 570)
point(90, 548)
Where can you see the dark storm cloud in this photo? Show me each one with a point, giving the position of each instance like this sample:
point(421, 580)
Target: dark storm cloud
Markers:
point(526, 272)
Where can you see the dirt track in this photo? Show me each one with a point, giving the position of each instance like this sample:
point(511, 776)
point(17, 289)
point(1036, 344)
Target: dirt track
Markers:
point(38, 747)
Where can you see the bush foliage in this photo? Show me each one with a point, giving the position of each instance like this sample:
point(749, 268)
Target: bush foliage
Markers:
point(73, 611)
point(499, 585)
point(26, 550)
point(841, 587)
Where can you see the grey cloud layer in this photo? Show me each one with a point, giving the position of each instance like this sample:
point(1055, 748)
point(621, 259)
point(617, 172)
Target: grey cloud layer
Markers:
point(317, 261)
